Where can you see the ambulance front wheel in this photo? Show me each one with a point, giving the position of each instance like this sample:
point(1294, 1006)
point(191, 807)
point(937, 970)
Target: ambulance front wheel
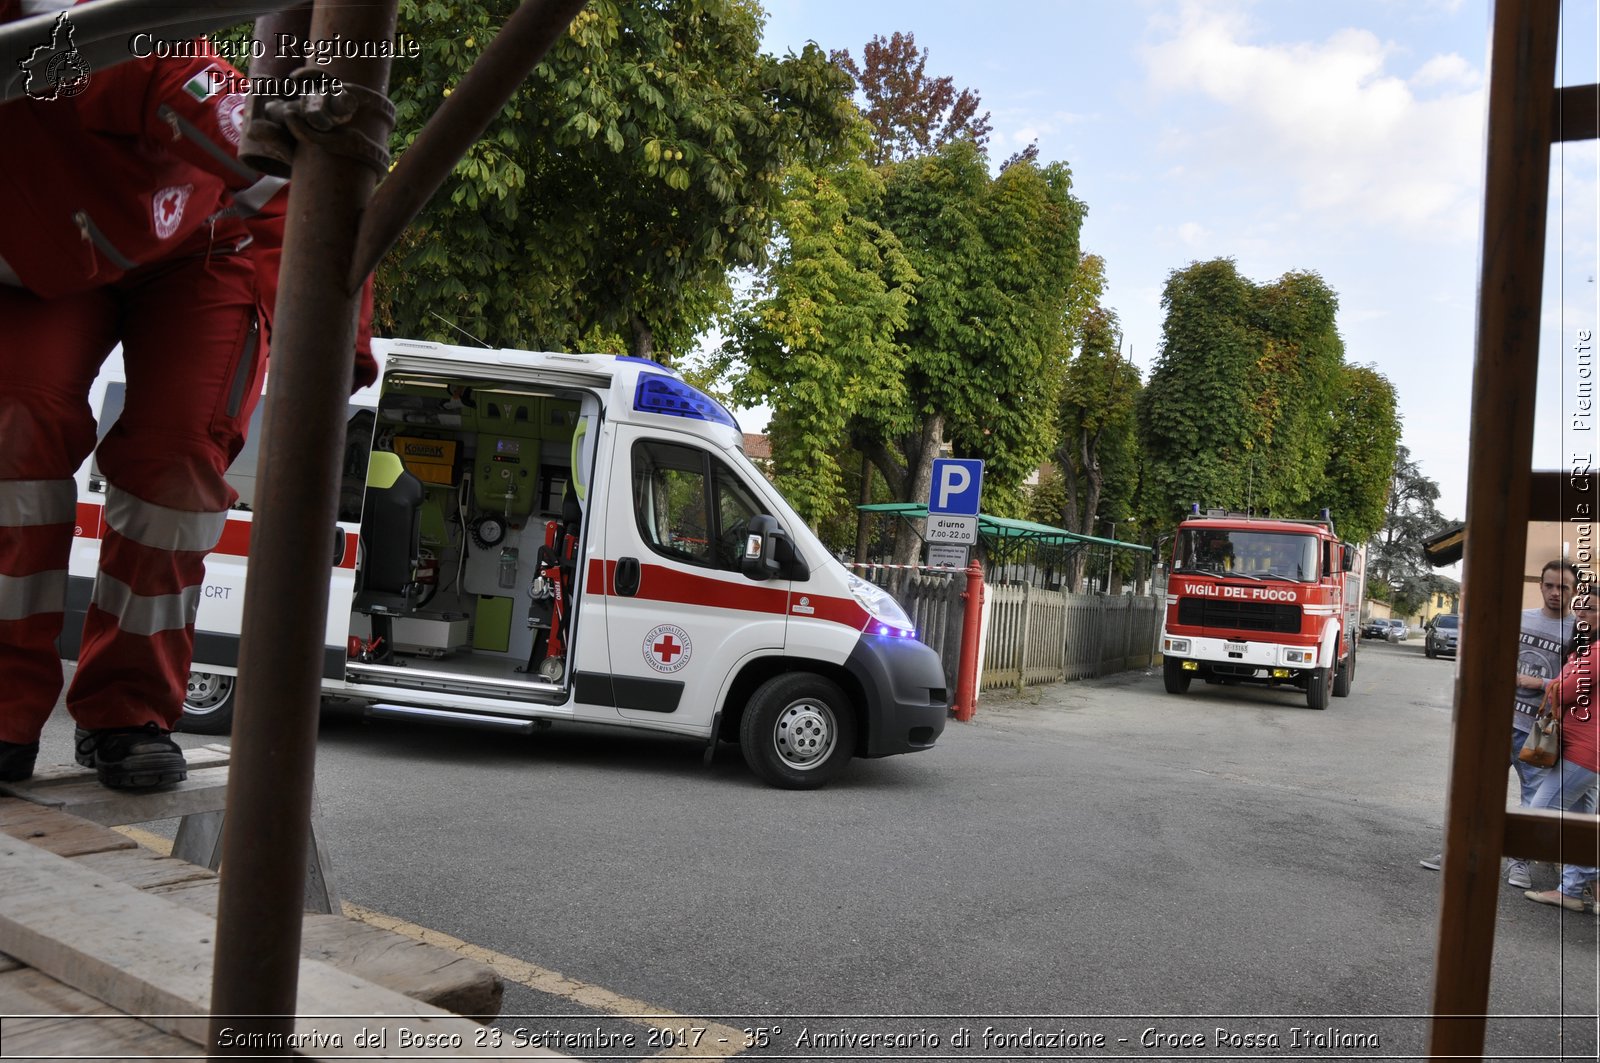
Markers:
point(208, 704)
point(798, 731)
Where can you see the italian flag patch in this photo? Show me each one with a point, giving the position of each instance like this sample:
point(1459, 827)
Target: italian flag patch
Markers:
point(199, 86)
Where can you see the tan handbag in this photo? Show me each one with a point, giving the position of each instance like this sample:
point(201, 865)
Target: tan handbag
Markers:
point(1543, 745)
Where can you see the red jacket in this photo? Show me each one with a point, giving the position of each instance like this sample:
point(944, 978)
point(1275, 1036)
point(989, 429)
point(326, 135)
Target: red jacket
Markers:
point(139, 167)
point(1578, 695)
point(127, 173)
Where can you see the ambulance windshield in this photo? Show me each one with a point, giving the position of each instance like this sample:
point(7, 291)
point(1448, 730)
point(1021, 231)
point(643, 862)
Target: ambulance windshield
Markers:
point(1251, 554)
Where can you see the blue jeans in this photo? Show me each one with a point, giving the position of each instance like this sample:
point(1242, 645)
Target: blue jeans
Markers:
point(1528, 775)
point(1573, 788)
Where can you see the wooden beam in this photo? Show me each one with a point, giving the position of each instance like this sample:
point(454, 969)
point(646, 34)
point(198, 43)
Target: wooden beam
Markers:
point(146, 956)
point(1575, 117)
point(1558, 837)
point(1521, 116)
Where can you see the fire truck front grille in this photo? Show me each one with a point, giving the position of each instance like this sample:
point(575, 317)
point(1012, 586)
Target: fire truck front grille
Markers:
point(1240, 616)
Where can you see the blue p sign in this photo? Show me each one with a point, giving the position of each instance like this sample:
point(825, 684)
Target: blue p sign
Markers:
point(957, 484)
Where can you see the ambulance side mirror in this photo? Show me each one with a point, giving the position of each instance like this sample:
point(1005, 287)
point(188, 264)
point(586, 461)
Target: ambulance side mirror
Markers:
point(761, 543)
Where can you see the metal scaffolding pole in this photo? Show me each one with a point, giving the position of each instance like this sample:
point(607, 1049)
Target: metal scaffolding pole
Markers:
point(267, 830)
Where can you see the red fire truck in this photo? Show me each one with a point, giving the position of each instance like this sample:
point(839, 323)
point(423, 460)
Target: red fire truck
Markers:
point(1262, 600)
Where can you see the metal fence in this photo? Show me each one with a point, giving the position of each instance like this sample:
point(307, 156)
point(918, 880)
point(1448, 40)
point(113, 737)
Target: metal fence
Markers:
point(1031, 636)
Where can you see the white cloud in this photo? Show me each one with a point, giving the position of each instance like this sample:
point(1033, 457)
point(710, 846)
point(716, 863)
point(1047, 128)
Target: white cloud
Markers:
point(1192, 233)
point(1355, 140)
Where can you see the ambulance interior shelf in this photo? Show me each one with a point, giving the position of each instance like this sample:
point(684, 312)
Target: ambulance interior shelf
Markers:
point(493, 461)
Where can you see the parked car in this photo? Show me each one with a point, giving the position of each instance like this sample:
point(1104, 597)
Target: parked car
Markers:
point(1399, 630)
point(1375, 628)
point(1444, 634)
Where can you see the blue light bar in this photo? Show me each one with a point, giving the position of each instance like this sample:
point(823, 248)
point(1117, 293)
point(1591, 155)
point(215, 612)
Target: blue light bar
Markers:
point(659, 393)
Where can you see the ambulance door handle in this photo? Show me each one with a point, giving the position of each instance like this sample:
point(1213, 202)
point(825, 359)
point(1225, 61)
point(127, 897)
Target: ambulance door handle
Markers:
point(625, 580)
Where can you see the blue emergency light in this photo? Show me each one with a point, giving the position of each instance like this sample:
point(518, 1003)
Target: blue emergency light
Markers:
point(659, 393)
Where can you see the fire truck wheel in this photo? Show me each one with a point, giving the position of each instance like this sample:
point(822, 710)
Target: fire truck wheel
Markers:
point(798, 731)
point(1344, 676)
point(1174, 677)
point(208, 704)
point(1317, 688)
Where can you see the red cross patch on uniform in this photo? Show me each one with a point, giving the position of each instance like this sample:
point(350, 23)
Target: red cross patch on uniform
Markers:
point(166, 208)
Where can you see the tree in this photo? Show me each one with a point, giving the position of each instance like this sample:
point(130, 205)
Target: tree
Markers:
point(1395, 560)
point(910, 113)
point(1249, 396)
point(816, 335)
point(607, 203)
point(1098, 454)
point(984, 345)
point(1362, 452)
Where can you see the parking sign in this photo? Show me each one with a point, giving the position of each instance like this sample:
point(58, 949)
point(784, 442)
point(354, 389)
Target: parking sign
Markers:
point(957, 483)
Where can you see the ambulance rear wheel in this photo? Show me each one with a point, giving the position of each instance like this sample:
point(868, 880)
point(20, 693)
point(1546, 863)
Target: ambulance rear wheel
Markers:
point(1174, 677)
point(208, 704)
point(798, 731)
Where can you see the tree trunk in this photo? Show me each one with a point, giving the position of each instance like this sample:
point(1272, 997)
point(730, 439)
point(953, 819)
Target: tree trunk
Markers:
point(863, 519)
point(918, 483)
point(644, 340)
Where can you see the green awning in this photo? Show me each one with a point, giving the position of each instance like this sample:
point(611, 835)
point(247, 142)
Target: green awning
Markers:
point(1006, 528)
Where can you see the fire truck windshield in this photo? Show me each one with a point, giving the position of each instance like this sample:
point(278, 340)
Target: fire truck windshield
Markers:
point(1251, 554)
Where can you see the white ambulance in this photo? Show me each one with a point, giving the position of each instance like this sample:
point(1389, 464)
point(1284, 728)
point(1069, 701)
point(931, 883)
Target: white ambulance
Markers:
point(533, 537)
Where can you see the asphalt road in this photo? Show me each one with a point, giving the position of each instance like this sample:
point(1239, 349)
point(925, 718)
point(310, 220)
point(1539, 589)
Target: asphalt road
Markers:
point(1095, 857)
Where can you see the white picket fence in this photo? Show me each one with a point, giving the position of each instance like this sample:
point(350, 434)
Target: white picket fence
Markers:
point(1031, 636)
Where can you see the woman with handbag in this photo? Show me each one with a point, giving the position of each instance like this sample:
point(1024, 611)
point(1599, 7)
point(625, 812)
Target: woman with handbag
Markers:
point(1571, 783)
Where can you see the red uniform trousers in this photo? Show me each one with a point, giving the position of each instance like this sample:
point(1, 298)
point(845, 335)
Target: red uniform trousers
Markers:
point(194, 358)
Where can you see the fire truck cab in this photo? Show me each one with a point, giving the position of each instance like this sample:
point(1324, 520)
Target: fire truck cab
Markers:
point(1262, 600)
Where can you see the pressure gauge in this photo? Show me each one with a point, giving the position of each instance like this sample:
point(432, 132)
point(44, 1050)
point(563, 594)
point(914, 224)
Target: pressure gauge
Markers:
point(488, 531)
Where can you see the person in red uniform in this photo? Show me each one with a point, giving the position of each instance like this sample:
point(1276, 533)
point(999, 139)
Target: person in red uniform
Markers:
point(1570, 785)
point(128, 218)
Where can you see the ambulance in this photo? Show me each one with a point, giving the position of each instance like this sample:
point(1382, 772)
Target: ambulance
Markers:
point(532, 538)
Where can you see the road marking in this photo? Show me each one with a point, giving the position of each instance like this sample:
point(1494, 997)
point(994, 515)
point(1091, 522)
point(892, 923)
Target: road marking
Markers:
point(718, 1042)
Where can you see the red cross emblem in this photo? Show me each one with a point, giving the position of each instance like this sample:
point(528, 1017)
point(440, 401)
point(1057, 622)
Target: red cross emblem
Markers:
point(667, 648)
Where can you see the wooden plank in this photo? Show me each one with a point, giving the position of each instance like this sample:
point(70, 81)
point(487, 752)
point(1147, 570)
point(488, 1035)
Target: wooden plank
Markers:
point(205, 790)
point(1521, 111)
point(61, 1023)
point(1547, 834)
point(1577, 112)
point(55, 831)
point(144, 955)
point(208, 756)
point(143, 869)
point(424, 972)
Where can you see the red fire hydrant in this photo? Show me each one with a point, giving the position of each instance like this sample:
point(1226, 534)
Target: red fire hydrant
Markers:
point(967, 671)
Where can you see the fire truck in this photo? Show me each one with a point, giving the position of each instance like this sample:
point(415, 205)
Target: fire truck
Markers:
point(1263, 600)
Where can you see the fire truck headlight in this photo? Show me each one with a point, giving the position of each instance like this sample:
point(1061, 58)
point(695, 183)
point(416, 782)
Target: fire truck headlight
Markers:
point(1175, 646)
point(1293, 656)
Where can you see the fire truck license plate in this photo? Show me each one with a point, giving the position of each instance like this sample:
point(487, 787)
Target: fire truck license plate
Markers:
point(1235, 649)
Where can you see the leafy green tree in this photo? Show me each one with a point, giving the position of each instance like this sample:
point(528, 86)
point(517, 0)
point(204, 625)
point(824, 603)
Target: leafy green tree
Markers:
point(1362, 452)
point(817, 334)
point(1249, 396)
point(1395, 561)
point(984, 346)
point(607, 203)
point(910, 113)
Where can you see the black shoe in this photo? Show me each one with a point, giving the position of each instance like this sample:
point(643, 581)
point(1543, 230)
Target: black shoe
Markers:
point(131, 758)
point(16, 761)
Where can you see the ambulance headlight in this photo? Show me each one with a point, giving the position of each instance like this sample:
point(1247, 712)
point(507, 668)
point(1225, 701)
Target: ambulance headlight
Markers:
point(886, 616)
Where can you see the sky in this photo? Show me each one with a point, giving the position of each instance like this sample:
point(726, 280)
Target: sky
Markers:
point(1345, 139)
